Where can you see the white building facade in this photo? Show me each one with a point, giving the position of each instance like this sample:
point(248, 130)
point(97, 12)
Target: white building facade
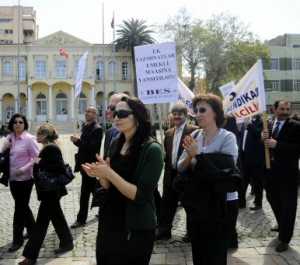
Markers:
point(47, 78)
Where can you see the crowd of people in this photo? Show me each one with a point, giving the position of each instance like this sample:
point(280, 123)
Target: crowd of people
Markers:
point(208, 166)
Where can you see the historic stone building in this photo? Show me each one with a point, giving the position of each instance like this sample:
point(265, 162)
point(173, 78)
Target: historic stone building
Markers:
point(47, 78)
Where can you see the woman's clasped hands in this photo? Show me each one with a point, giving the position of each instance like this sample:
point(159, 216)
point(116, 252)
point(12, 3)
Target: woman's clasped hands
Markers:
point(190, 145)
point(100, 169)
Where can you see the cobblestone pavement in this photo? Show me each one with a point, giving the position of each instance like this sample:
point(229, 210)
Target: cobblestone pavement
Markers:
point(256, 240)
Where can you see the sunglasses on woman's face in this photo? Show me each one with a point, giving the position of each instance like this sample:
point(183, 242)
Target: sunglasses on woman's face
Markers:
point(111, 107)
point(122, 113)
point(200, 110)
point(18, 122)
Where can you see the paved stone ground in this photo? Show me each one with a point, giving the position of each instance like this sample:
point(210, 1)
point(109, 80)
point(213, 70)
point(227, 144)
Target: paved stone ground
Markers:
point(256, 240)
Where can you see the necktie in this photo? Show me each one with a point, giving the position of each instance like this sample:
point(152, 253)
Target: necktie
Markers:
point(276, 130)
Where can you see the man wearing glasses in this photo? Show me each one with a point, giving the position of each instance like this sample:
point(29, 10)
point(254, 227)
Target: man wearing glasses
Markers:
point(89, 145)
point(173, 149)
point(112, 132)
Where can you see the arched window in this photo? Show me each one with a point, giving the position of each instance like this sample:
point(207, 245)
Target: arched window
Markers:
point(61, 104)
point(82, 103)
point(41, 104)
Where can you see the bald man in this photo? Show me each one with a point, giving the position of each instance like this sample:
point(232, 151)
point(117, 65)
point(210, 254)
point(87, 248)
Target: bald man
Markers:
point(88, 145)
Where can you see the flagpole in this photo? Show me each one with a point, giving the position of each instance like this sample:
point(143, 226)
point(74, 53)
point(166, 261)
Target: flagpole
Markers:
point(114, 54)
point(267, 150)
point(18, 58)
point(104, 85)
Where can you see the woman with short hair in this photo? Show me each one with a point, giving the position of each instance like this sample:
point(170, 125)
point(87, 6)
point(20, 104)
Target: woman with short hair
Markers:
point(52, 163)
point(210, 155)
point(23, 151)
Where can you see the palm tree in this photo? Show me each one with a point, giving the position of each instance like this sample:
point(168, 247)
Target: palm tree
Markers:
point(131, 33)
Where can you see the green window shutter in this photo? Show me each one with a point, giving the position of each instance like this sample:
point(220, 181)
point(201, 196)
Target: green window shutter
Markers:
point(282, 63)
point(289, 64)
point(282, 85)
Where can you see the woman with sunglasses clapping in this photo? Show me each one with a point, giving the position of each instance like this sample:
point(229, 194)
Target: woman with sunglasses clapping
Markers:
point(130, 174)
point(209, 164)
point(23, 151)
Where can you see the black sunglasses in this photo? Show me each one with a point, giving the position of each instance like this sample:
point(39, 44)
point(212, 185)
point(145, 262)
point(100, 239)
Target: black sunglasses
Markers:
point(18, 122)
point(200, 110)
point(111, 107)
point(122, 113)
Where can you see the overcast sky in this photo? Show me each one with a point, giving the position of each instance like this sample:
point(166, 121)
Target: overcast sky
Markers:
point(82, 18)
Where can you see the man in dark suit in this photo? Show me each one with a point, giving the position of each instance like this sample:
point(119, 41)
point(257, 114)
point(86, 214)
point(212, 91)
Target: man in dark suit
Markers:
point(112, 133)
point(281, 180)
point(252, 162)
point(88, 145)
point(173, 149)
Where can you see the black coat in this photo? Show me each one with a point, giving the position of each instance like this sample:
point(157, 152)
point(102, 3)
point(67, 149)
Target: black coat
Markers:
point(51, 160)
point(254, 153)
point(285, 156)
point(88, 145)
point(4, 167)
point(205, 193)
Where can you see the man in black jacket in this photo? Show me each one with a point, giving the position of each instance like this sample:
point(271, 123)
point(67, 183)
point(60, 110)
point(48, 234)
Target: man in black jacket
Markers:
point(88, 145)
point(281, 180)
point(252, 161)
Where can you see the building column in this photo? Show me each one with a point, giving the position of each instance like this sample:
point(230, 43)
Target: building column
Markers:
point(72, 103)
point(92, 96)
point(29, 103)
point(50, 104)
point(16, 105)
point(1, 120)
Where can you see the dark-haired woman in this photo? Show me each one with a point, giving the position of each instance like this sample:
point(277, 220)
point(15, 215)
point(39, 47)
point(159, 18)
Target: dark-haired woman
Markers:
point(23, 151)
point(210, 155)
point(128, 220)
point(50, 161)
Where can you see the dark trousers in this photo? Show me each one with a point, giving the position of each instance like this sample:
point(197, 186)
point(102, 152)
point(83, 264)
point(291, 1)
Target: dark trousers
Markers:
point(157, 200)
point(169, 204)
point(252, 175)
point(118, 248)
point(232, 212)
point(209, 244)
point(50, 210)
point(283, 200)
point(88, 185)
point(23, 217)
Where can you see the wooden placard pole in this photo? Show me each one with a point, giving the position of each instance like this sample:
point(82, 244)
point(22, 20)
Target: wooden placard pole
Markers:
point(267, 150)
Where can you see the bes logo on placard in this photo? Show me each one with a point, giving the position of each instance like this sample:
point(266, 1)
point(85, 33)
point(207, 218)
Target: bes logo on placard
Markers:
point(163, 91)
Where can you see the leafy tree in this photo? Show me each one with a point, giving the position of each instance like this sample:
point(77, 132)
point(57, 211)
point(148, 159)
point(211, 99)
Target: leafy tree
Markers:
point(230, 49)
point(187, 34)
point(131, 33)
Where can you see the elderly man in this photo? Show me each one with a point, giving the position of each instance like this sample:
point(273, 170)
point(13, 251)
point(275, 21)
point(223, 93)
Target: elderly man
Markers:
point(88, 145)
point(173, 149)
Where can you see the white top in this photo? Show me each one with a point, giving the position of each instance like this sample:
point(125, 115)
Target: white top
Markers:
point(176, 142)
point(223, 142)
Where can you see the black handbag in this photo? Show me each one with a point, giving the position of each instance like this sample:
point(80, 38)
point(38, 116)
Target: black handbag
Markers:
point(53, 181)
point(4, 167)
point(67, 177)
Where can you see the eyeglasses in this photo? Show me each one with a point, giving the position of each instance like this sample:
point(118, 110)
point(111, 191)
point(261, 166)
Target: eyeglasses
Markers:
point(200, 110)
point(122, 113)
point(18, 122)
point(111, 107)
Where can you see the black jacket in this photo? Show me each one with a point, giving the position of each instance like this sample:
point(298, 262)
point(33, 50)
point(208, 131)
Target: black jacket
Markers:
point(88, 145)
point(4, 167)
point(285, 156)
point(51, 160)
point(205, 193)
